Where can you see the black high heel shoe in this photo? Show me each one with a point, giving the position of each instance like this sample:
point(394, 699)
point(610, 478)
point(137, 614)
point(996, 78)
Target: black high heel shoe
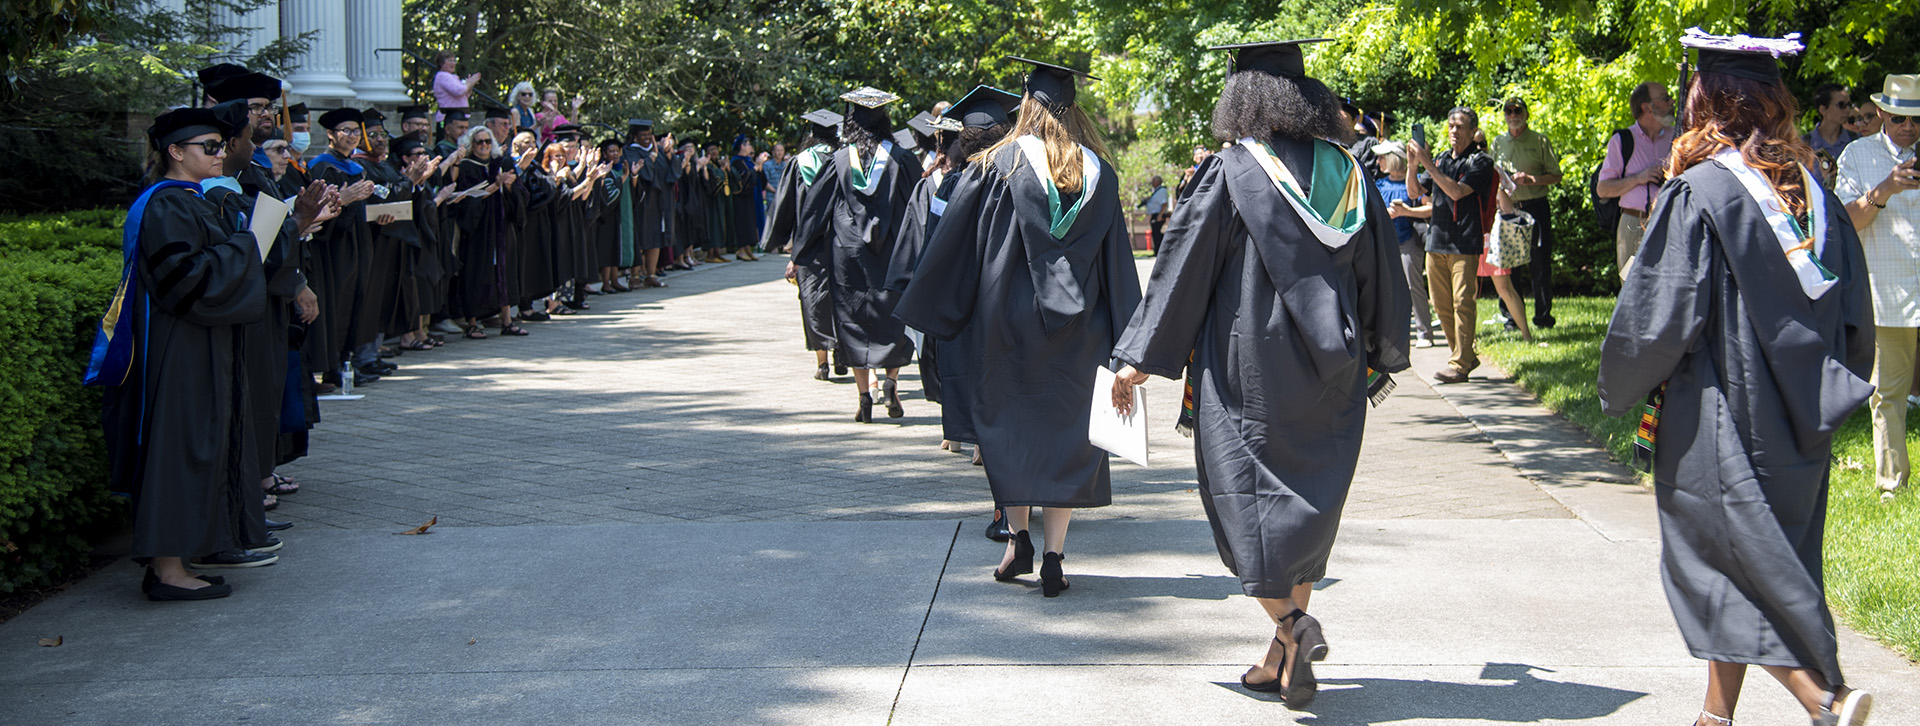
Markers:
point(822, 374)
point(997, 529)
point(1310, 646)
point(865, 414)
point(1022, 563)
point(1052, 580)
point(891, 389)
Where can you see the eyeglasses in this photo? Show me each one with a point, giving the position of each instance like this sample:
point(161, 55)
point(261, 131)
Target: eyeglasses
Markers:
point(1900, 120)
point(210, 147)
point(279, 150)
point(266, 110)
point(347, 131)
point(483, 142)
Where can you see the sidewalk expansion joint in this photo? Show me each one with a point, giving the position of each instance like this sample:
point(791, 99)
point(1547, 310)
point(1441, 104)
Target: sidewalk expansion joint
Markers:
point(935, 598)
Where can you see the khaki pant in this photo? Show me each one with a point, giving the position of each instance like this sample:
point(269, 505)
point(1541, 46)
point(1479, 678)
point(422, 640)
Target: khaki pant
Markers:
point(1893, 363)
point(1453, 283)
point(1626, 240)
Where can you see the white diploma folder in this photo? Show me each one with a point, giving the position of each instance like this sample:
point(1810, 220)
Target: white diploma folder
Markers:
point(1122, 436)
point(268, 214)
point(401, 211)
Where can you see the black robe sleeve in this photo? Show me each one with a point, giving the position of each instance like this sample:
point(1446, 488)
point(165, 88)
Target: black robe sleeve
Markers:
point(782, 214)
point(1193, 250)
point(205, 284)
point(1663, 305)
point(1385, 302)
point(942, 305)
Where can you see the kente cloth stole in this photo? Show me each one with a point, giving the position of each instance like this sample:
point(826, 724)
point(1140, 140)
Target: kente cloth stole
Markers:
point(868, 180)
point(810, 162)
point(1815, 279)
point(1036, 153)
point(1335, 208)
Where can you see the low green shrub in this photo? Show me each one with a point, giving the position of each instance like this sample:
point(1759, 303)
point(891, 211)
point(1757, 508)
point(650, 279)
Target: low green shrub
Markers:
point(57, 273)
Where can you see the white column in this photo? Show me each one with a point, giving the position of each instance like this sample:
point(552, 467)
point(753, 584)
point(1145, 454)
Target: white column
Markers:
point(371, 25)
point(320, 73)
point(257, 29)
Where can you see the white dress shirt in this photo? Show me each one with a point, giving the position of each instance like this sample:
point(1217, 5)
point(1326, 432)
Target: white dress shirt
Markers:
point(1892, 242)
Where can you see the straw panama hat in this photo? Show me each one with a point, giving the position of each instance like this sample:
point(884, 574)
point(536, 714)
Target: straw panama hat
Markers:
point(1901, 97)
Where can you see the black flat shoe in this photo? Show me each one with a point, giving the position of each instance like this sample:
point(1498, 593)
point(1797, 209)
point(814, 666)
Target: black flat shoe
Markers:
point(997, 529)
point(273, 544)
point(536, 316)
point(1052, 580)
point(1022, 563)
point(865, 414)
point(1272, 686)
point(275, 526)
point(158, 591)
point(153, 579)
point(822, 374)
point(839, 370)
point(891, 389)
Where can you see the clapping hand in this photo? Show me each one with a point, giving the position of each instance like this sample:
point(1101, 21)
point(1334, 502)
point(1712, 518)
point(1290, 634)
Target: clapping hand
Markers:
point(505, 179)
point(308, 203)
point(358, 191)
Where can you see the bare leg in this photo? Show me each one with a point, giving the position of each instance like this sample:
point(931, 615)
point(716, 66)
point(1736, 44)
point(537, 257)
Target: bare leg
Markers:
point(1723, 689)
point(1279, 607)
point(820, 357)
point(1806, 687)
point(173, 571)
point(1017, 520)
point(1055, 520)
point(893, 374)
point(653, 263)
point(1516, 306)
point(506, 317)
point(860, 378)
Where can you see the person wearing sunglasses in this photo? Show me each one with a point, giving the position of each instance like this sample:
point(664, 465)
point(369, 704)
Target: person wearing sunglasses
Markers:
point(1834, 106)
point(1877, 178)
point(338, 247)
point(486, 217)
point(166, 356)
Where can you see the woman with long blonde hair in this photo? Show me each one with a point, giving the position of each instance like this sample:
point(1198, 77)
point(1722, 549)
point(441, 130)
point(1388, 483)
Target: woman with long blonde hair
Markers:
point(1743, 338)
point(1036, 263)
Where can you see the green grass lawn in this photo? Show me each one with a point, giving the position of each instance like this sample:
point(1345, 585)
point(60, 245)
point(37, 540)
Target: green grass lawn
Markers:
point(1873, 549)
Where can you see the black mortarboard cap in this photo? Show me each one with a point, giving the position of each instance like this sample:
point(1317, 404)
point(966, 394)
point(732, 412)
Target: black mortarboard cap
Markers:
point(867, 105)
point(454, 114)
point(826, 124)
point(297, 113)
point(212, 75)
point(566, 130)
point(1751, 65)
point(904, 139)
point(244, 86)
point(407, 112)
point(984, 106)
point(339, 116)
point(494, 112)
point(181, 124)
point(639, 124)
point(1051, 85)
point(922, 124)
point(1281, 58)
point(406, 144)
point(232, 114)
point(373, 114)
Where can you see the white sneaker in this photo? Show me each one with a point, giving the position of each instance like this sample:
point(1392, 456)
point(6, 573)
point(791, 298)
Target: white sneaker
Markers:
point(447, 326)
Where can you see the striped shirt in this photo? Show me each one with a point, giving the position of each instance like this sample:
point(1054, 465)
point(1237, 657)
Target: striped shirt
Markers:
point(1892, 242)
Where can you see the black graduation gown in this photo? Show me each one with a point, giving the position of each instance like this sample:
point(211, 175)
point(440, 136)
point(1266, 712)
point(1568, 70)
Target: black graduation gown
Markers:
point(544, 218)
point(604, 251)
point(430, 264)
point(946, 366)
point(485, 228)
point(915, 228)
point(1046, 313)
point(860, 231)
point(743, 184)
point(1758, 377)
point(335, 274)
point(386, 257)
point(811, 259)
point(268, 341)
point(652, 196)
point(1282, 330)
point(176, 432)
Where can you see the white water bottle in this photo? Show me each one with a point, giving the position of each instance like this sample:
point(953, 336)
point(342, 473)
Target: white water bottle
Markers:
point(346, 378)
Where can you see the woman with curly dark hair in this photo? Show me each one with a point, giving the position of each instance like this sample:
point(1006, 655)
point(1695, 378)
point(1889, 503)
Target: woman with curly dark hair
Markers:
point(1743, 338)
point(1278, 291)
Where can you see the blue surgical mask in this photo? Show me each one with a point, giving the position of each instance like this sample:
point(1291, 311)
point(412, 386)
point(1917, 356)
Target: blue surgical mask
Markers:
point(210, 183)
point(300, 141)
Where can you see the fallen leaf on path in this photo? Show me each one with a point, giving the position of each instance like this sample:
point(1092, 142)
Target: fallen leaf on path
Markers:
point(9, 545)
point(471, 642)
point(422, 529)
point(53, 642)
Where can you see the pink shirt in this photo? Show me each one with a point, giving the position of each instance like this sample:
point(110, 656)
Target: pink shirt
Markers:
point(449, 91)
point(1647, 153)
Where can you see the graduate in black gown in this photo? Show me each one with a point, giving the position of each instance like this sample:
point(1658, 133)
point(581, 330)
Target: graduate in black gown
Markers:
point(744, 182)
point(808, 268)
point(650, 178)
point(982, 120)
point(284, 394)
point(1743, 338)
point(1280, 279)
point(716, 197)
point(385, 261)
point(420, 265)
point(1033, 255)
point(171, 355)
point(339, 247)
point(860, 213)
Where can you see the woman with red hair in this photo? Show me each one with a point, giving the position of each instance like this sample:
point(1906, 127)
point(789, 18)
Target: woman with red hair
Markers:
point(1743, 338)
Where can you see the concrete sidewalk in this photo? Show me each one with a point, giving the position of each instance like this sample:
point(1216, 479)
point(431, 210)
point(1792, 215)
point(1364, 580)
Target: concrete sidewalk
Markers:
point(651, 515)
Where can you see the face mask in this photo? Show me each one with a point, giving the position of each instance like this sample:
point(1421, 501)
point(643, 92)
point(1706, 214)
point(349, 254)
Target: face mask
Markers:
point(300, 141)
point(226, 182)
